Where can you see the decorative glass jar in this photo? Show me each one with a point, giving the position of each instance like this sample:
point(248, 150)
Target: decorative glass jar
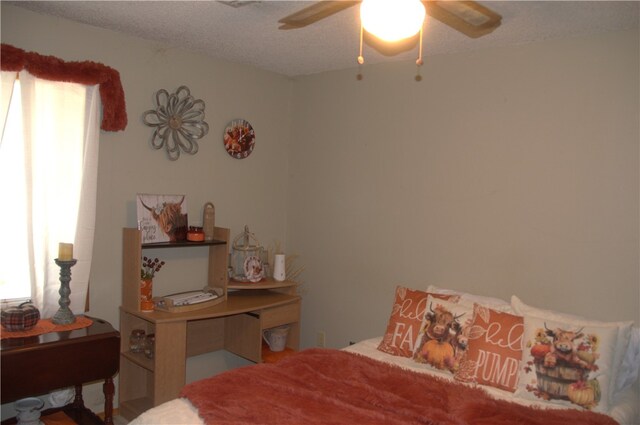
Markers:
point(150, 346)
point(136, 341)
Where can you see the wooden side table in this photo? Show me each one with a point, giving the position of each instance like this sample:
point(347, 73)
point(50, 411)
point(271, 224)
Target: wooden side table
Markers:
point(36, 365)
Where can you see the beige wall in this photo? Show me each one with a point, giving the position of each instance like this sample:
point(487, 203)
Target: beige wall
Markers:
point(250, 191)
point(503, 171)
point(509, 171)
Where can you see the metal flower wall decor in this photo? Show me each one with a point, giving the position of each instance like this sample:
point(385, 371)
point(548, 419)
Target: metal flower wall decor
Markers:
point(178, 120)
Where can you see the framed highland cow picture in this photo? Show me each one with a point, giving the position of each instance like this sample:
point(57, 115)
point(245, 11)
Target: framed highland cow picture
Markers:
point(162, 218)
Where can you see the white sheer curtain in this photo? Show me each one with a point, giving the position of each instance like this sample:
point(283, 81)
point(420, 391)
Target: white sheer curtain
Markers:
point(6, 85)
point(48, 180)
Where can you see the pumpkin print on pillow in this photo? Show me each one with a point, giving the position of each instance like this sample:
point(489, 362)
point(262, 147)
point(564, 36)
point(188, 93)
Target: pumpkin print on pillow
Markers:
point(610, 356)
point(567, 363)
point(404, 324)
point(442, 343)
point(495, 349)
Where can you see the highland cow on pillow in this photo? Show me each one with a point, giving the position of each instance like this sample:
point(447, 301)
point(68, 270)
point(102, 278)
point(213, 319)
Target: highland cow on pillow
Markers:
point(442, 344)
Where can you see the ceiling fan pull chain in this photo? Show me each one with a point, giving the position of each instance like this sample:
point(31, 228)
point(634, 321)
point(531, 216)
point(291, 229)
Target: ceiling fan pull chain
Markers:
point(360, 57)
point(419, 61)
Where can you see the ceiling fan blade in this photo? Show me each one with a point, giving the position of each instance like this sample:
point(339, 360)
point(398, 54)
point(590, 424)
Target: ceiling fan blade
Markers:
point(313, 13)
point(469, 17)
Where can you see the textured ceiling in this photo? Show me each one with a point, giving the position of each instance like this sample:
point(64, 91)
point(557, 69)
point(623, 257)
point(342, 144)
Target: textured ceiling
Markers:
point(249, 34)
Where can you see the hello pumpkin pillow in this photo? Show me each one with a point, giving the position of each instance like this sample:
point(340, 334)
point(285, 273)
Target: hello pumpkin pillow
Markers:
point(494, 349)
point(408, 310)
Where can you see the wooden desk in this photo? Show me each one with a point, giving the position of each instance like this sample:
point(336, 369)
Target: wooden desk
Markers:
point(36, 365)
point(235, 325)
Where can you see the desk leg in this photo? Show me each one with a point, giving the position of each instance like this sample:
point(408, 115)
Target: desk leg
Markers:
point(170, 360)
point(108, 389)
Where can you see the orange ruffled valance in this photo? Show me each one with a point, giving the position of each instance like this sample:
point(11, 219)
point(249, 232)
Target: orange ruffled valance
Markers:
point(114, 113)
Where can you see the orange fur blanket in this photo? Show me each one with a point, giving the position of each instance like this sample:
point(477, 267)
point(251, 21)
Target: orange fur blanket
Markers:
point(321, 386)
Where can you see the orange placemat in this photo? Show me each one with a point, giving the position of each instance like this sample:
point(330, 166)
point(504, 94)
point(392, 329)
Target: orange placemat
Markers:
point(44, 326)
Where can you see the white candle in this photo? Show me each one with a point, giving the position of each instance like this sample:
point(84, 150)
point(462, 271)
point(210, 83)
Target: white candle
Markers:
point(65, 251)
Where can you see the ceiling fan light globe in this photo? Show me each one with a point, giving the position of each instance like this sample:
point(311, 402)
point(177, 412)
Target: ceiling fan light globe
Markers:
point(392, 20)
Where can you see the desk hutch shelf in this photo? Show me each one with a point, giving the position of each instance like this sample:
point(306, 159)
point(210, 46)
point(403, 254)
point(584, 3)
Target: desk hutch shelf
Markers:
point(235, 324)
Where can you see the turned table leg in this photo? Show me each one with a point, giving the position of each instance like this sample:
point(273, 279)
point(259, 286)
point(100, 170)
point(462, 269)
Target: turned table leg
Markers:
point(108, 389)
point(78, 402)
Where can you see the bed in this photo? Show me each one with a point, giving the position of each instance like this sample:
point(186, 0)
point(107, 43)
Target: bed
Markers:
point(396, 379)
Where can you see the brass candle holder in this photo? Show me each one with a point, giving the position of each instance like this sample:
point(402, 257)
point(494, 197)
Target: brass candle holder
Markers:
point(64, 315)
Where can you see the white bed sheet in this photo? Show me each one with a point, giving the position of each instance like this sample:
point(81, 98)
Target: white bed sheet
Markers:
point(180, 411)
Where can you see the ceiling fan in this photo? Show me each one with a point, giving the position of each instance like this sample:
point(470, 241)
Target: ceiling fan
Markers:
point(468, 17)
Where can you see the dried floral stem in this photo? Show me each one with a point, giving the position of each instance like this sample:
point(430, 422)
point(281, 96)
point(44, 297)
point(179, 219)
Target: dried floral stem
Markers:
point(150, 267)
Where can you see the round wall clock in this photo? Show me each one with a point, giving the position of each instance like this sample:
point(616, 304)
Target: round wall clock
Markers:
point(239, 139)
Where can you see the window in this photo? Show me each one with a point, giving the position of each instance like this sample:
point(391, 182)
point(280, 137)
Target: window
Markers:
point(49, 119)
point(49, 138)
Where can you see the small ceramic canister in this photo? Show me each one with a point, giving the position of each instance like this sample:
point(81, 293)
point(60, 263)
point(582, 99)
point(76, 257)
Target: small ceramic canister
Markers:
point(195, 234)
point(208, 221)
point(279, 268)
point(28, 411)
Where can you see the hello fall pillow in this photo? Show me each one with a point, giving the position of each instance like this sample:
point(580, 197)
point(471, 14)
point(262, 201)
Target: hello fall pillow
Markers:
point(409, 307)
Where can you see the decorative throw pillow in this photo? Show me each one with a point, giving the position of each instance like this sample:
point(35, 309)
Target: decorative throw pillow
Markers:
point(630, 367)
point(408, 310)
point(568, 360)
point(441, 342)
point(467, 298)
point(494, 349)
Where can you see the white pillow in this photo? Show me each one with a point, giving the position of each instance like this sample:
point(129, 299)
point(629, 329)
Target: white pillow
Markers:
point(613, 340)
point(630, 364)
point(469, 299)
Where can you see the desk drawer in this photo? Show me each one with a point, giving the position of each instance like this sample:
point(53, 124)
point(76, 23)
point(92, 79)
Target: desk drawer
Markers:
point(280, 315)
